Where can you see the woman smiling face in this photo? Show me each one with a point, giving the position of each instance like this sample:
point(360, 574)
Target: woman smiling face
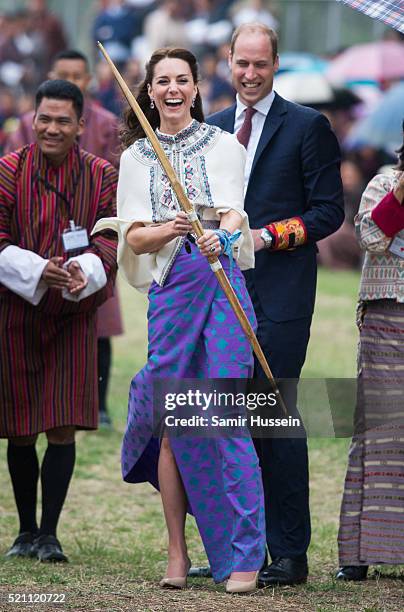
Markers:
point(173, 90)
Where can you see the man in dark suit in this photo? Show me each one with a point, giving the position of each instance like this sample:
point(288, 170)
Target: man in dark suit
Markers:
point(293, 198)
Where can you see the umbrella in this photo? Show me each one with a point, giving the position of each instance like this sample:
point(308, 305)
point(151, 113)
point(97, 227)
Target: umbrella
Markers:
point(378, 61)
point(313, 89)
point(370, 95)
point(301, 62)
point(390, 12)
point(382, 129)
point(304, 87)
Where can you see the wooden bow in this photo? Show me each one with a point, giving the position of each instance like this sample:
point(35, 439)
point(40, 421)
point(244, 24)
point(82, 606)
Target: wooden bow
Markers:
point(196, 225)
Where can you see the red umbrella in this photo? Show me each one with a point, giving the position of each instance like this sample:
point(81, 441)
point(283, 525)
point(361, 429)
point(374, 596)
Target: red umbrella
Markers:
point(378, 61)
point(388, 11)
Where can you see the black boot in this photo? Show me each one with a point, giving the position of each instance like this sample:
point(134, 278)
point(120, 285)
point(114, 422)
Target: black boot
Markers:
point(48, 548)
point(22, 545)
point(352, 572)
point(284, 571)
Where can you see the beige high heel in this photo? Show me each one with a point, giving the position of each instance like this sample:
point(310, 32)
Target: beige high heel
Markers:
point(174, 583)
point(242, 586)
point(179, 582)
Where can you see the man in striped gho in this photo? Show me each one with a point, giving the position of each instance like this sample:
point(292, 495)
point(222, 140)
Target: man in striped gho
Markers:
point(53, 276)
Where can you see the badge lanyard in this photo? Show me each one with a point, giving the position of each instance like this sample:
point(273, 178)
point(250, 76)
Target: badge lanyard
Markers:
point(75, 237)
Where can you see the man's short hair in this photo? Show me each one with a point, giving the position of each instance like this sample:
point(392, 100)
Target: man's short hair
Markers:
point(71, 54)
point(256, 27)
point(60, 90)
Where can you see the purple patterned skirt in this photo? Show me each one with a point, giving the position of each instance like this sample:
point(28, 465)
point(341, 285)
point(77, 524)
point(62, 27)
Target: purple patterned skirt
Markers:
point(193, 333)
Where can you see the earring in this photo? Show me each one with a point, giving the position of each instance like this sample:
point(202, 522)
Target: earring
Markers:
point(193, 103)
point(151, 103)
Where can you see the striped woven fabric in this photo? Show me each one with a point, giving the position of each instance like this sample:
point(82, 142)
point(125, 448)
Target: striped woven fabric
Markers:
point(48, 352)
point(382, 273)
point(48, 371)
point(390, 12)
point(372, 512)
point(34, 216)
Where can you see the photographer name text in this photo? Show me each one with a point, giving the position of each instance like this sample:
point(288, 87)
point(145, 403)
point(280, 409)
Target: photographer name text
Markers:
point(239, 421)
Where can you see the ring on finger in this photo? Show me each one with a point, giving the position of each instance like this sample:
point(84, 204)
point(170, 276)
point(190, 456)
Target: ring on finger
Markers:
point(212, 248)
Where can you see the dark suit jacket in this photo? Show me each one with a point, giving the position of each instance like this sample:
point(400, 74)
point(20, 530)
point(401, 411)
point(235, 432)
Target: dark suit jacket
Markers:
point(295, 172)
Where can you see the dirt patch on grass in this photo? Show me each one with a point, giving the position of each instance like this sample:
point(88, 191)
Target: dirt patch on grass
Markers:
point(376, 595)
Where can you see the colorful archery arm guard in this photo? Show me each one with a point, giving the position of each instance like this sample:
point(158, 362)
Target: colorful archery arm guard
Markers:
point(288, 233)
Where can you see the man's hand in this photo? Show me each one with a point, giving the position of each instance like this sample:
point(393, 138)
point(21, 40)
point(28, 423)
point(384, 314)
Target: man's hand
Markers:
point(78, 280)
point(54, 275)
point(258, 241)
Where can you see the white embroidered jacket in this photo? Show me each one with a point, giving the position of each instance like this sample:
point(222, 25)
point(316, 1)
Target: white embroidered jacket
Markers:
point(210, 166)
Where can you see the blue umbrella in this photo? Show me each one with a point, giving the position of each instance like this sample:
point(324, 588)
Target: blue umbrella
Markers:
point(301, 62)
point(382, 129)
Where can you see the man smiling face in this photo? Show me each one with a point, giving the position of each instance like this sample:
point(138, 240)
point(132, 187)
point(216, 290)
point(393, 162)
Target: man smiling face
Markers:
point(56, 126)
point(253, 66)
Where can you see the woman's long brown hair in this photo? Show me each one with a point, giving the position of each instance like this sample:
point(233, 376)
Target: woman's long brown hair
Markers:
point(131, 129)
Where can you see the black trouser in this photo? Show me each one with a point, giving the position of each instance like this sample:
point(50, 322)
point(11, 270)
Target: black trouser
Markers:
point(284, 461)
point(104, 351)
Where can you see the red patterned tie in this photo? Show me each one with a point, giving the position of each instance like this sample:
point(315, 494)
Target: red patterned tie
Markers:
point(244, 133)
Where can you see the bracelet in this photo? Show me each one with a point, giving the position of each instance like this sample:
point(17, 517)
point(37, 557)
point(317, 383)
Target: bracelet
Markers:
point(227, 240)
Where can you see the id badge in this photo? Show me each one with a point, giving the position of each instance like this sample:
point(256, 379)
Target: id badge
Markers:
point(397, 246)
point(74, 238)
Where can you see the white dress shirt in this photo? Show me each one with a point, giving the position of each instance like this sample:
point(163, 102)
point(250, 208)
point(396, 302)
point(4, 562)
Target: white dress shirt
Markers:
point(258, 119)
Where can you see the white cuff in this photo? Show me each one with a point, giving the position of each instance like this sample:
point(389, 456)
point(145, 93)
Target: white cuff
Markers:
point(21, 272)
point(93, 269)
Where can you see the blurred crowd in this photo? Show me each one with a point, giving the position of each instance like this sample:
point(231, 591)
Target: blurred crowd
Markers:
point(131, 29)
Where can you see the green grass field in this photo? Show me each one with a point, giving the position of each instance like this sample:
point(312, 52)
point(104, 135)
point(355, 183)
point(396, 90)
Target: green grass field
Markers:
point(114, 532)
